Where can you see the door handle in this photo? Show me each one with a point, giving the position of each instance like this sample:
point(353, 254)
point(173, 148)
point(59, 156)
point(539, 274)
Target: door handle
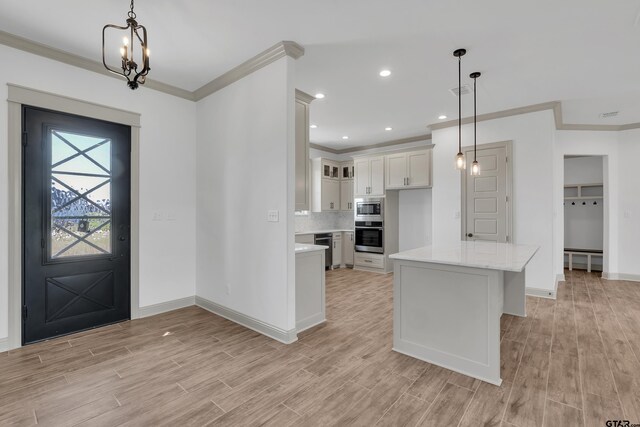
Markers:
point(122, 238)
point(470, 235)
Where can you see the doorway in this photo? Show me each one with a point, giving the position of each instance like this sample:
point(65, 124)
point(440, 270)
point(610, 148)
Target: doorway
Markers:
point(584, 212)
point(76, 223)
point(486, 198)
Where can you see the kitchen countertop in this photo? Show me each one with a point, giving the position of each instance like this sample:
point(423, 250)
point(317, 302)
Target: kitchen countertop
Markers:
point(303, 247)
point(479, 254)
point(300, 233)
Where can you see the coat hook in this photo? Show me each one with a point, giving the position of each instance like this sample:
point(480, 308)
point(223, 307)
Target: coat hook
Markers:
point(584, 203)
point(595, 203)
point(573, 203)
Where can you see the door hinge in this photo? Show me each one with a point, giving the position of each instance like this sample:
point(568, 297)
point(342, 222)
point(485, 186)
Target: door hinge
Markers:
point(508, 239)
point(24, 312)
point(42, 243)
point(24, 138)
point(506, 198)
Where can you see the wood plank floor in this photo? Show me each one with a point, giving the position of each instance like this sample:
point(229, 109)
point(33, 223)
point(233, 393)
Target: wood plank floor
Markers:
point(572, 362)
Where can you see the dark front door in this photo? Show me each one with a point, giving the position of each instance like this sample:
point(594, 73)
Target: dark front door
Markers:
point(76, 225)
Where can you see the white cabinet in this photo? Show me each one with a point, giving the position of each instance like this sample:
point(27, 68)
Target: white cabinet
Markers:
point(346, 195)
point(347, 248)
point(330, 195)
point(302, 174)
point(369, 176)
point(337, 249)
point(325, 192)
point(408, 170)
point(330, 169)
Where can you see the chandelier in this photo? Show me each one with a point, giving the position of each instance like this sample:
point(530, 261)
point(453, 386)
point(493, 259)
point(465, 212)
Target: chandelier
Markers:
point(134, 45)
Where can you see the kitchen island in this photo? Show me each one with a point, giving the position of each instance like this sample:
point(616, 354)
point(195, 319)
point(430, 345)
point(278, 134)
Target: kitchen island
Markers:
point(447, 303)
point(310, 284)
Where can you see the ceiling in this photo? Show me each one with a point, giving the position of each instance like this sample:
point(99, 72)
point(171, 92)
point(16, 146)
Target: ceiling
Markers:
point(581, 52)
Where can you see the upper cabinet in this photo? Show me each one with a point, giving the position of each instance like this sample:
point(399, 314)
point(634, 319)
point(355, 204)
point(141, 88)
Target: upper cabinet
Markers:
point(346, 186)
point(369, 176)
point(330, 169)
point(302, 175)
point(408, 170)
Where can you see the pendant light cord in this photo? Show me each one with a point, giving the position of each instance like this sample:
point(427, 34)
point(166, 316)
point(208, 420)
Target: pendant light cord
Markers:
point(474, 119)
point(459, 104)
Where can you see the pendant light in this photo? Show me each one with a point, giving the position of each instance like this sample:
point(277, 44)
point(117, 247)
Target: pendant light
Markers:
point(134, 40)
point(460, 161)
point(475, 167)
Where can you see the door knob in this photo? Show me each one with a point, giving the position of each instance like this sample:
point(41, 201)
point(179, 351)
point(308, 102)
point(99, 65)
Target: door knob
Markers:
point(470, 235)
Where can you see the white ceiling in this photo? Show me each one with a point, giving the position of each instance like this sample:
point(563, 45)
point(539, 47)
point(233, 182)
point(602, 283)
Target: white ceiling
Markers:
point(582, 52)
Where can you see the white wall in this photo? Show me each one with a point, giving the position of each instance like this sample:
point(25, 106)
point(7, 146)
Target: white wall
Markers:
point(245, 160)
point(629, 204)
point(414, 218)
point(583, 170)
point(583, 220)
point(167, 170)
point(533, 145)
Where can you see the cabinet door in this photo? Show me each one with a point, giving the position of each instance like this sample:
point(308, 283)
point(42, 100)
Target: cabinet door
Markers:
point(337, 252)
point(347, 248)
point(361, 178)
point(396, 171)
point(346, 195)
point(330, 194)
point(376, 186)
point(302, 157)
point(419, 165)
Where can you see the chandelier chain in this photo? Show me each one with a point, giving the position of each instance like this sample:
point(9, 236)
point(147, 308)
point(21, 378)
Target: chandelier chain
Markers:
point(131, 13)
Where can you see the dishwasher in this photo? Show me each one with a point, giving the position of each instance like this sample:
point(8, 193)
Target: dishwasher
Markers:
point(326, 239)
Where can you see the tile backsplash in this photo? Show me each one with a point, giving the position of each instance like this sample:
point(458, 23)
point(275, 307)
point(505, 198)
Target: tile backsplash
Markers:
point(324, 221)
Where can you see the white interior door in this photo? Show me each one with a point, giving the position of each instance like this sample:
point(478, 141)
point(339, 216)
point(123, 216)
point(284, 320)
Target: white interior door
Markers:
point(486, 196)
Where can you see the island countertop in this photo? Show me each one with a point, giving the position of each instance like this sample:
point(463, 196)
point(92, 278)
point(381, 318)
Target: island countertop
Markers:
point(480, 254)
point(304, 247)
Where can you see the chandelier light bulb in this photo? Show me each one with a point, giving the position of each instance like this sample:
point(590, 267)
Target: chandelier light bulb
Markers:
point(125, 41)
point(460, 162)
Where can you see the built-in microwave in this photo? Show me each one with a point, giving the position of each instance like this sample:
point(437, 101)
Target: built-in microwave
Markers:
point(369, 209)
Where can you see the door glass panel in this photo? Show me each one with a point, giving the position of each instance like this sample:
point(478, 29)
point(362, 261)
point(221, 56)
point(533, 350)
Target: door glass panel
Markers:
point(80, 219)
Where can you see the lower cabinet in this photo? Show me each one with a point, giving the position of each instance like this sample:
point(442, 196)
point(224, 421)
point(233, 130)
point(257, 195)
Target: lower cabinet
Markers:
point(337, 249)
point(347, 248)
point(368, 260)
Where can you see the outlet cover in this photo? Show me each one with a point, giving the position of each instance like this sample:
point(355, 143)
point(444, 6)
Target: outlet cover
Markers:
point(273, 216)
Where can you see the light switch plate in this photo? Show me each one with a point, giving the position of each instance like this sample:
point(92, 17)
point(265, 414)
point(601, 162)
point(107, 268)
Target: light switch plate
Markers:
point(273, 216)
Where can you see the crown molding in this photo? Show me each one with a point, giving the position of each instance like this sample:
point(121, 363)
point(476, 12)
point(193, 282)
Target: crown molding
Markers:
point(49, 52)
point(556, 106)
point(304, 97)
point(424, 137)
point(498, 115)
point(275, 52)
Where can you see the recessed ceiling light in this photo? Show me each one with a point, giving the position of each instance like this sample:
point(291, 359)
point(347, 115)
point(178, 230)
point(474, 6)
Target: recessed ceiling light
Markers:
point(345, 137)
point(388, 128)
point(313, 126)
point(385, 73)
point(319, 95)
point(442, 117)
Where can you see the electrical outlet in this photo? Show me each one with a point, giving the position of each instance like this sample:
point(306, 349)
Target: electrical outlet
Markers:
point(157, 216)
point(273, 216)
point(456, 214)
point(627, 214)
point(171, 216)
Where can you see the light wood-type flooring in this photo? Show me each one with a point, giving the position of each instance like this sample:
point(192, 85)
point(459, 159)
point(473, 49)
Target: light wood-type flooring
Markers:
point(571, 362)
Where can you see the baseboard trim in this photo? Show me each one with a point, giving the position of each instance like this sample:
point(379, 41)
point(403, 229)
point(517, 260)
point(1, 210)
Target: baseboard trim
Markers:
point(621, 276)
point(4, 344)
point(163, 307)
point(310, 322)
point(542, 293)
point(286, 337)
point(560, 278)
